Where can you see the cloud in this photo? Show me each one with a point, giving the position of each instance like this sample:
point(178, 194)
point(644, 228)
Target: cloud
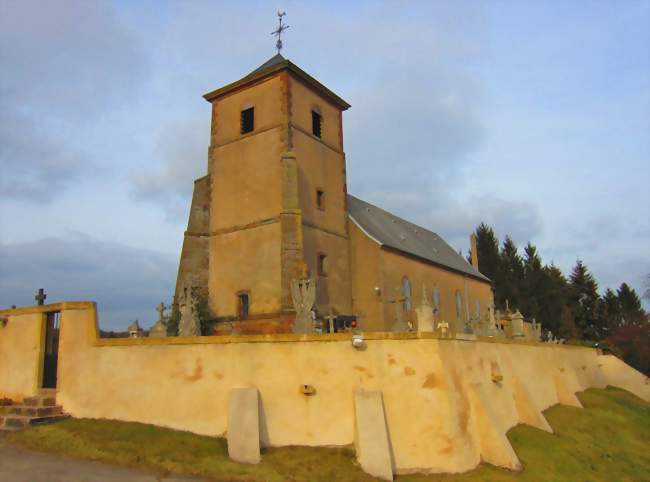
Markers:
point(416, 115)
point(126, 282)
point(35, 166)
point(182, 149)
point(455, 219)
point(64, 65)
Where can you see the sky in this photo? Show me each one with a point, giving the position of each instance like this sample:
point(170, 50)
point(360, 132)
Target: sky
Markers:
point(531, 116)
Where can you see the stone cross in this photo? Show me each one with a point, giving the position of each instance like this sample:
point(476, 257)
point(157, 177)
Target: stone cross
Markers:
point(189, 324)
point(330, 320)
point(40, 296)
point(161, 311)
point(159, 329)
point(303, 295)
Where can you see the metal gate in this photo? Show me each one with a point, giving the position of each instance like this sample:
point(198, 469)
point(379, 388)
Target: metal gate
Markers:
point(51, 351)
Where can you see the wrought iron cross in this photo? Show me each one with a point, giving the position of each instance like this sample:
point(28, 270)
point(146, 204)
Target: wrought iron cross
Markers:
point(278, 32)
point(40, 296)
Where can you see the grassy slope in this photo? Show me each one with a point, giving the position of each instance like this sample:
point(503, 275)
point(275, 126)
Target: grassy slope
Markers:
point(607, 441)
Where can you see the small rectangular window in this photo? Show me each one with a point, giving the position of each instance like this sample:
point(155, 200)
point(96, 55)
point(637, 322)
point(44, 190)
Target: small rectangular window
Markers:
point(243, 305)
point(320, 199)
point(247, 120)
point(322, 264)
point(316, 123)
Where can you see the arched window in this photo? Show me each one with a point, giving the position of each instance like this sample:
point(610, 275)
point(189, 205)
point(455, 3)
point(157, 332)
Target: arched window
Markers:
point(478, 308)
point(459, 305)
point(406, 293)
point(436, 300)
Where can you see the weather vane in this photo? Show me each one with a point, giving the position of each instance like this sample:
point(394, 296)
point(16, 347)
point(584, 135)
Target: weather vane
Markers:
point(278, 32)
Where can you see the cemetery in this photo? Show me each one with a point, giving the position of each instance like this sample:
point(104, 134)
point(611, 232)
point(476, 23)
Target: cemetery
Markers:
point(408, 402)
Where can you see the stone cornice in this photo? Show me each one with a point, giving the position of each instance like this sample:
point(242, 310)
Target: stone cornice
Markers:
point(66, 305)
point(271, 71)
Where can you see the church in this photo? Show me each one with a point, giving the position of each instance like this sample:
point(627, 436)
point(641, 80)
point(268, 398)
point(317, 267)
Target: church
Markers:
point(274, 208)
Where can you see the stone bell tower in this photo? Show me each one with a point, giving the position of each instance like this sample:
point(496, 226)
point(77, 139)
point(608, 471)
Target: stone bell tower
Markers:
point(273, 202)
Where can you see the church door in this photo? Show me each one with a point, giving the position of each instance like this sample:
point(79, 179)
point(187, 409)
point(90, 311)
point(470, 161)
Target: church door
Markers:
point(51, 349)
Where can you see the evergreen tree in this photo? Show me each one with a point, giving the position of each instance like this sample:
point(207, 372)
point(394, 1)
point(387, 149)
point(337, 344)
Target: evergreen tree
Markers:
point(553, 298)
point(611, 311)
point(533, 283)
point(631, 311)
point(510, 275)
point(487, 248)
point(568, 327)
point(584, 301)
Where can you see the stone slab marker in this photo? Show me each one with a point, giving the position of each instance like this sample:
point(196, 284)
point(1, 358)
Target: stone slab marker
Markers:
point(371, 435)
point(244, 425)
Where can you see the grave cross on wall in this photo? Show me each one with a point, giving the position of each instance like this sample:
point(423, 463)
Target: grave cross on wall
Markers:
point(40, 297)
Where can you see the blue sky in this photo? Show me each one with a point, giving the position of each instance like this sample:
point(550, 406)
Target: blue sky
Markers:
point(531, 116)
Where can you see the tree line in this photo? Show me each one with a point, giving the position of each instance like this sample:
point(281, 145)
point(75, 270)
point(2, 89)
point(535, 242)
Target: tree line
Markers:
point(570, 307)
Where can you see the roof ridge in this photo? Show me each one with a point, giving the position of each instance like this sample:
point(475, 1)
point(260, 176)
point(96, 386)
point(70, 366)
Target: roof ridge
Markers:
point(272, 62)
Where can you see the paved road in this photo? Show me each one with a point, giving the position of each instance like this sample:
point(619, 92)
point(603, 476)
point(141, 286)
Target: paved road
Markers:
point(21, 465)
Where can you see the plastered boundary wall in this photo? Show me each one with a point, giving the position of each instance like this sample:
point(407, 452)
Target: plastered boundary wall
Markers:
point(444, 410)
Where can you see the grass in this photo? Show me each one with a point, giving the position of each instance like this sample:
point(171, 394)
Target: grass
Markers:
point(606, 441)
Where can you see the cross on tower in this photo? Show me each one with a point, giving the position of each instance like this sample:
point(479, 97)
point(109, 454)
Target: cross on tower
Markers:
point(40, 296)
point(281, 28)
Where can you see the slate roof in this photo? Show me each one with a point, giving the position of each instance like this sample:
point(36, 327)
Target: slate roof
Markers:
point(277, 59)
point(270, 67)
point(396, 233)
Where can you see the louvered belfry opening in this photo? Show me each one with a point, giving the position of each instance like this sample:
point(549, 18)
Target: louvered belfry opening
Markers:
point(247, 120)
point(316, 123)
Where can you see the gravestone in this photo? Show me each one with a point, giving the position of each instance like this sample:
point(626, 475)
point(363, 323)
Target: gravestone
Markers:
point(537, 330)
point(190, 324)
point(330, 319)
point(134, 330)
point(443, 328)
point(517, 324)
point(491, 329)
point(244, 425)
point(159, 329)
point(303, 295)
point(371, 435)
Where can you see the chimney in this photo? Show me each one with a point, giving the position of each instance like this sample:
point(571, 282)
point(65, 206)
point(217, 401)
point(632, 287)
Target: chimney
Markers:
point(473, 244)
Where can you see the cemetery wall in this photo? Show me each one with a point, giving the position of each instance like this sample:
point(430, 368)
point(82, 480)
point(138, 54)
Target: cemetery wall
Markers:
point(448, 403)
point(20, 354)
